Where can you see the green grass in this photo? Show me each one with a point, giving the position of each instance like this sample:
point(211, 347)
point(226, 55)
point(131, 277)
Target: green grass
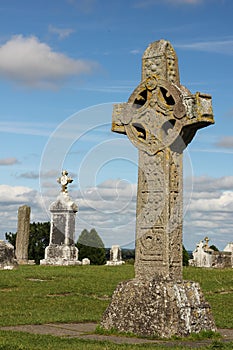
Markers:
point(24, 341)
point(43, 294)
point(217, 286)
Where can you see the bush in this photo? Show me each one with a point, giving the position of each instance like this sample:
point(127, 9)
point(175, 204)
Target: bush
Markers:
point(91, 246)
point(38, 240)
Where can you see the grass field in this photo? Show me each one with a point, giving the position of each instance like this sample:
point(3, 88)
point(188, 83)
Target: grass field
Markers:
point(43, 294)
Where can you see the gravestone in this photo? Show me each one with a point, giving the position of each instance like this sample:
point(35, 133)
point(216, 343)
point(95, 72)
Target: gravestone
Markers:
point(61, 249)
point(7, 256)
point(204, 256)
point(115, 256)
point(86, 261)
point(160, 118)
point(22, 237)
point(229, 249)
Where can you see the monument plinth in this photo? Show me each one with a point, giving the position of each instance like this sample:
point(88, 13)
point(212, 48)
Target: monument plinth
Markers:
point(61, 249)
point(160, 118)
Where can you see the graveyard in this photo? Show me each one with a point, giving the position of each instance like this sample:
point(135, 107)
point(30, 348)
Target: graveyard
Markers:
point(74, 304)
point(68, 295)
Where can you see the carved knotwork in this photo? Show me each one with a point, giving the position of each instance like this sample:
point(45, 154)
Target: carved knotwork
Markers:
point(152, 117)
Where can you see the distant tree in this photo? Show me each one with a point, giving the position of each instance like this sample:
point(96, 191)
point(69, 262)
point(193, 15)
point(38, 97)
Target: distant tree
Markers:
point(128, 255)
point(185, 257)
point(214, 248)
point(38, 240)
point(91, 246)
point(11, 238)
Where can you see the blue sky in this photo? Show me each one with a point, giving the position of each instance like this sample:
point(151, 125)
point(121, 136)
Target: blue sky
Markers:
point(63, 64)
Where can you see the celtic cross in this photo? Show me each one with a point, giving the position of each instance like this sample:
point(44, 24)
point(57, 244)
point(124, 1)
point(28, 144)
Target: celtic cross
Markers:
point(160, 118)
point(64, 180)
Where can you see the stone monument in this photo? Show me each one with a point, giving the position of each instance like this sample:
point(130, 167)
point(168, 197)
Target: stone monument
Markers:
point(229, 249)
point(22, 237)
point(204, 256)
point(115, 256)
point(7, 256)
point(61, 249)
point(160, 118)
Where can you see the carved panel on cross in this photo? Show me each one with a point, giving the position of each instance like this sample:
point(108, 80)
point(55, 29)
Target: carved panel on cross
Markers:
point(176, 251)
point(152, 207)
point(151, 245)
point(174, 175)
point(152, 172)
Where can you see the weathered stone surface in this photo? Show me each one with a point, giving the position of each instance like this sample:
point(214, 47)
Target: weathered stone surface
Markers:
point(158, 308)
point(160, 118)
point(115, 256)
point(7, 256)
point(22, 237)
point(61, 249)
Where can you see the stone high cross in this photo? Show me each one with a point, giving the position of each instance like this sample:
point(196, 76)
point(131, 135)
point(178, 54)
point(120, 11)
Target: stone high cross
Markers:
point(160, 118)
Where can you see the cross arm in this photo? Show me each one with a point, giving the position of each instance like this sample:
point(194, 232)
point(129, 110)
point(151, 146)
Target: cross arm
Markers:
point(118, 116)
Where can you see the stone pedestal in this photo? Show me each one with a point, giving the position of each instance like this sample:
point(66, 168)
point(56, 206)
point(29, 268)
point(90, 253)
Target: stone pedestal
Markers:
point(158, 308)
point(61, 249)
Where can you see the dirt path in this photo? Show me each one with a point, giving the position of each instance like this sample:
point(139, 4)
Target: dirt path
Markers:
point(87, 331)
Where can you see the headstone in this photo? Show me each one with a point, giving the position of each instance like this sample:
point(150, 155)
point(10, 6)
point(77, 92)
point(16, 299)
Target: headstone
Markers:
point(229, 249)
point(115, 256)
point(204, 256)
point(61, 249)
point(160, 118)
point(22, 237)
point(7, 256)
point(86, 261)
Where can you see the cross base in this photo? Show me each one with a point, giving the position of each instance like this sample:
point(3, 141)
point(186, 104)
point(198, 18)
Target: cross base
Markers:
point(158, 308)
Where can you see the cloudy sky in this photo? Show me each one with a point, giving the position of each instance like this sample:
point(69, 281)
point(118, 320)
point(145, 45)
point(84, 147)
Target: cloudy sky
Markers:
point(63, 64)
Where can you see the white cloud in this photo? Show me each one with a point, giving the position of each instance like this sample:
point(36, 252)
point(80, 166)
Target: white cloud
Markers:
point(135, 52)
point(208, 184)
point(28, 61)
point(111, 209)
point(61, 32)
point(16, 195)
point(189, 2)
point(11, 198)
point(225, 142)
point(210, 211)
point(27, 128)
point(224, 46)
point(43, 174)
point(84, 6)
point(8, 161)
point(148, 3)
